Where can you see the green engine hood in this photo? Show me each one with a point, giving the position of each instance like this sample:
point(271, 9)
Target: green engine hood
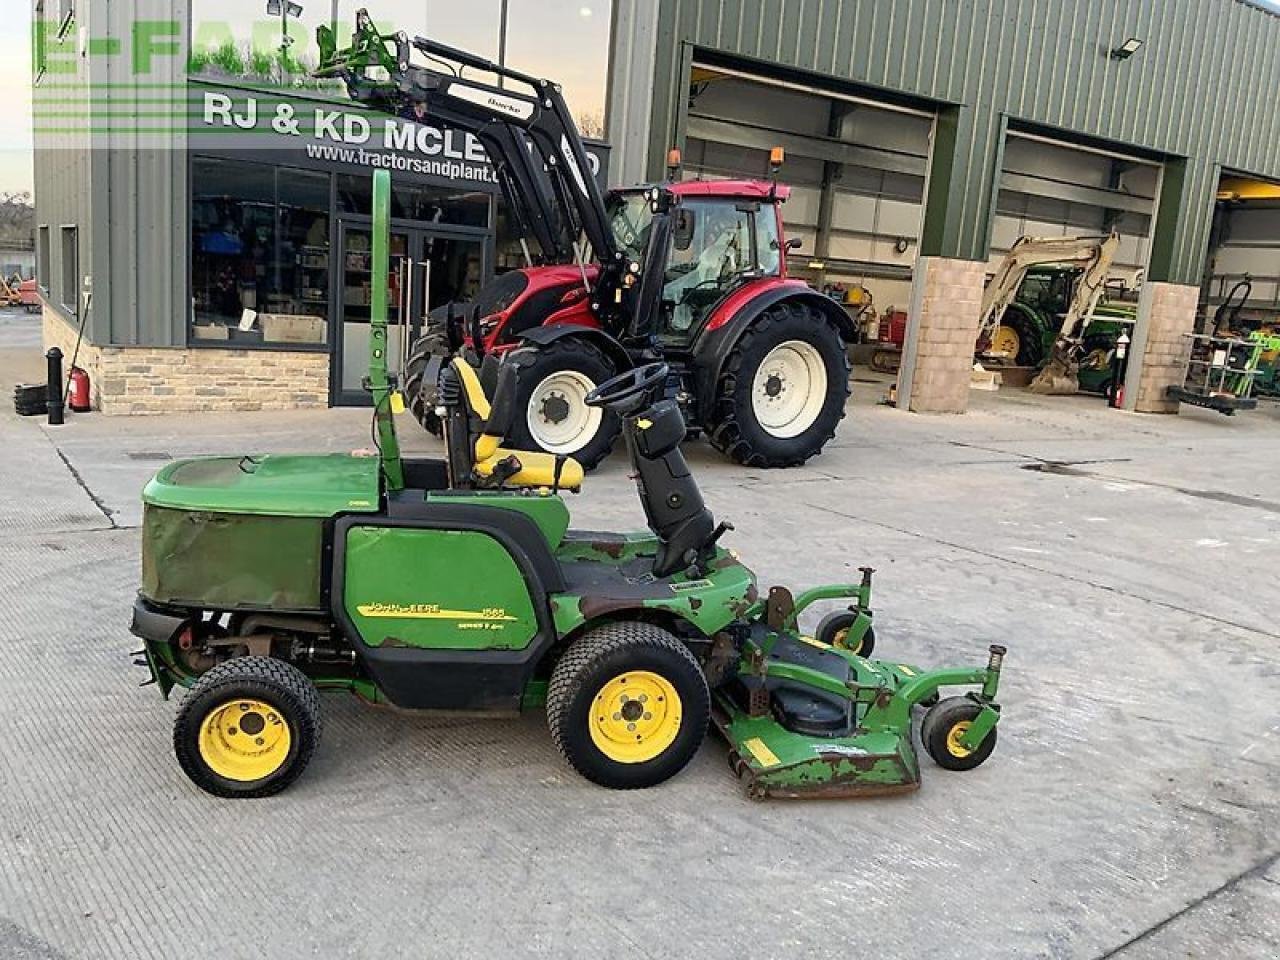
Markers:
point(268, 485)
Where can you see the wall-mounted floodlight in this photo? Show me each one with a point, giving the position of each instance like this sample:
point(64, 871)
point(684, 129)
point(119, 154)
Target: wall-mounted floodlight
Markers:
point(1127, 49)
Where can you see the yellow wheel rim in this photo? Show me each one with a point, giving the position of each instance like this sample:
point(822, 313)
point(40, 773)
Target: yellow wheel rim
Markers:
point(635, 717)
point(244, 740)
point(954, 746)
point(1006, 341)
point(841, 640)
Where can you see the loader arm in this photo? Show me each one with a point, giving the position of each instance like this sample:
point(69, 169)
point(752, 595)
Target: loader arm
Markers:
point(525, 127)
point(1094, 254)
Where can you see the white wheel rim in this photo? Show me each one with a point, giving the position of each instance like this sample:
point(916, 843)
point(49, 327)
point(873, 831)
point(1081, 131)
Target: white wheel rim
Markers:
point(789, 389)
point(558, 416)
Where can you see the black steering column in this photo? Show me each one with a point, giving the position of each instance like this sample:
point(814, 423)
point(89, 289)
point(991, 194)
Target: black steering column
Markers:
point(654, 430)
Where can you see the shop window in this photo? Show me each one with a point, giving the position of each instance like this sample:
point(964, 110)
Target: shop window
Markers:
point(260, 260)
point(456, 207)
point(69, 289)
point(44, 262)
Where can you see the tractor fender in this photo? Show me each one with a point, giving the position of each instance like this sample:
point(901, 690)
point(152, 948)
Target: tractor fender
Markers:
point(721, 335)
point(546, 335)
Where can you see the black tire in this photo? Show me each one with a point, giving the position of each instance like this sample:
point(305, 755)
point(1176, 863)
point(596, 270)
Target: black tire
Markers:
point(736, 431)
point(280, 686)
point(937, 725)
point(536, 365)
point(419, 395)
point(834, 624)
point(590, 667)
point(1031, 352)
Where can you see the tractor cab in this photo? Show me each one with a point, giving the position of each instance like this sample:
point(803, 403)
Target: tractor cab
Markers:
point(723, 235)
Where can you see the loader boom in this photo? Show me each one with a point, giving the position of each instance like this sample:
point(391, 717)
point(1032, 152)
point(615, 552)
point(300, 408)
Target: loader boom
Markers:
point(525, 127)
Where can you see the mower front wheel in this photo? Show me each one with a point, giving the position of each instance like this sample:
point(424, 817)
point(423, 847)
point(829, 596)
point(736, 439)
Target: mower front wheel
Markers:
point(942, 728)
point(248, 728)
point(833, 630)
point(628, 705)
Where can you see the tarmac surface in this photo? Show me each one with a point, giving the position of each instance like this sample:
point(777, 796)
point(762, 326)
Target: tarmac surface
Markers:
point(1131, 809)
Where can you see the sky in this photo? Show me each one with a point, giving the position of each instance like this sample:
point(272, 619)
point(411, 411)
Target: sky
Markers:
point(560, 51)
point(15, 81)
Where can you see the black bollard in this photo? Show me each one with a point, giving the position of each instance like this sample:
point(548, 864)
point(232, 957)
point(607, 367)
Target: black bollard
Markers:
point(54, 399)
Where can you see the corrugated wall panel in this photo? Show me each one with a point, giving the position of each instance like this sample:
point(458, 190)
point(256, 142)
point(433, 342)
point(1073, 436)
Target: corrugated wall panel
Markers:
point(1202, 87)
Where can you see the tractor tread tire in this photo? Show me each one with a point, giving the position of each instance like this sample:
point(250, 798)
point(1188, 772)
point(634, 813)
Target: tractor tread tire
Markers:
point(279, 683)
point(545, 360)
point(418, 395)
point(591, 660)
point(746, 442)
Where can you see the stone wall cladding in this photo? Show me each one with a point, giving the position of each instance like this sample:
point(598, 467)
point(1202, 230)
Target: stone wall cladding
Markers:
point(155, 380)
point(1164, 360)
point(947, 327)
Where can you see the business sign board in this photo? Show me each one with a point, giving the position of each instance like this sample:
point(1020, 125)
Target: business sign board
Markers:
point(302, 130)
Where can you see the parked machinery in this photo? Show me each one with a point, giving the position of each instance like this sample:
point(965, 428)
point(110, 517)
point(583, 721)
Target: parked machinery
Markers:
point(691, 273)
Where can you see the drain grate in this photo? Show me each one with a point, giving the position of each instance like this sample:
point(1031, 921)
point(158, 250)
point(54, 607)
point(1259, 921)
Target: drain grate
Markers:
point(148, 455)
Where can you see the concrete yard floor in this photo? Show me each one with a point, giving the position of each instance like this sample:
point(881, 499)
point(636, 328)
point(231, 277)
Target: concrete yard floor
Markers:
point(1131, 810)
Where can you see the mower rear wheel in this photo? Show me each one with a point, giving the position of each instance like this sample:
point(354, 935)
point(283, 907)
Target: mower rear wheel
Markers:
point(783, 388)
point(628, 705)
point(833, 629)
point(942, 728)
point(248, 728)
point(551, 412)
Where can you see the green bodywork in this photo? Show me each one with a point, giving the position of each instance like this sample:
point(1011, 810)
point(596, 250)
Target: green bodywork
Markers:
point(436, 589)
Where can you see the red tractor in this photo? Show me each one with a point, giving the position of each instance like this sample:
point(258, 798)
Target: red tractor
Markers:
point(692, 273)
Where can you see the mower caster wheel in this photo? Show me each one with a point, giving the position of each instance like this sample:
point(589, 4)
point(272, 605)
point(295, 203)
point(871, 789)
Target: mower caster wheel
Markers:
point(628, 705)
point(248, 727)
point(833, 629)
point(942, 728)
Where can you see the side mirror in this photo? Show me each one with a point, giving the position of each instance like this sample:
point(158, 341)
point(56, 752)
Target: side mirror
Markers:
point(794, 243)
point(682, 234)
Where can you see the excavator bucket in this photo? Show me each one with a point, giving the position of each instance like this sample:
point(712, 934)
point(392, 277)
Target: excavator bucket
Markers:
point(1057, 378)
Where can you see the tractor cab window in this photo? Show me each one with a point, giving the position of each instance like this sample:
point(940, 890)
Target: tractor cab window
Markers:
point(717, 244)
point(631, 217)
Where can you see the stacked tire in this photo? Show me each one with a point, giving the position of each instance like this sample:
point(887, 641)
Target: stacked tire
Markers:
point(30, 399)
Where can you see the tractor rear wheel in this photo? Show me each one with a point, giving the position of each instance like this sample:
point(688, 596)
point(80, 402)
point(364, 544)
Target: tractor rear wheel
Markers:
point(783, 388)
point(551, 412)
point(248, 728)
point(628, 705)
point(419, 395)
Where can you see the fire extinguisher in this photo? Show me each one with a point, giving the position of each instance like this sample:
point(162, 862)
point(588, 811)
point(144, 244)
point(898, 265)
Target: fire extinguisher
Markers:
point(78, 391)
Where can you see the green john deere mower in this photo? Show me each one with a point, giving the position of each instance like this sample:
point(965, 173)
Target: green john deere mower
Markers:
point(457, 584)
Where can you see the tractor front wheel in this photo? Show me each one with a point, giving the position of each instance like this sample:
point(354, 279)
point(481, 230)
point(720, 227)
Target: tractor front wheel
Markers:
point(783, 389)
point(551, 410)
point(248, 728)
point(420, 395)
point(628, 705)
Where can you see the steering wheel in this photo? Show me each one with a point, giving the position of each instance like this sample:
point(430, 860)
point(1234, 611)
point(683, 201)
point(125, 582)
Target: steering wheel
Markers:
point(630, 386)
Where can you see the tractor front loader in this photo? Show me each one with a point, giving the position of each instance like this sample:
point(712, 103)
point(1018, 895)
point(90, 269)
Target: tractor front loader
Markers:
point(457, 584)
point(692, 274)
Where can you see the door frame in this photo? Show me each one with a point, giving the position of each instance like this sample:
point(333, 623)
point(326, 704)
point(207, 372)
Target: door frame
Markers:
point(418, 236)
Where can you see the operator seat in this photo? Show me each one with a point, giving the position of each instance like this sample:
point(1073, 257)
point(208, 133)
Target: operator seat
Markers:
point(487, 424)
